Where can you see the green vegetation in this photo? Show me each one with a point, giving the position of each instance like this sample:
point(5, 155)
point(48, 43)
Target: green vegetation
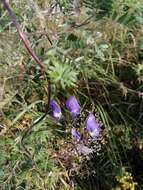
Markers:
point(93, 50)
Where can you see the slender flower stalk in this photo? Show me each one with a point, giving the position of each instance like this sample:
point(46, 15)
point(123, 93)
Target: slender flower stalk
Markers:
point(76, 134)
point(92, 126)
point(73, 106)
point(22, 34)
point(56, 110)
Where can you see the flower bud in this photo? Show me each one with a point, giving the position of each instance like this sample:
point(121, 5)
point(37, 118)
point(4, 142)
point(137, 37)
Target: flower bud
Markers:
point(56, 110)
point(92, 126)
point(73, 106)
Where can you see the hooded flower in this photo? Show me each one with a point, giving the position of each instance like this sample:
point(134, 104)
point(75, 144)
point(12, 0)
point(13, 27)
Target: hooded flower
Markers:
point(56, 110)
point(75, 134)
point(92, 126)
point(73, 106)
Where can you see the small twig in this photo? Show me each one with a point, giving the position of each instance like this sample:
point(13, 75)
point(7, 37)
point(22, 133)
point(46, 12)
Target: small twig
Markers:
point(47, 35)
point(87, 21)
point(40, 16)
point(21, 34)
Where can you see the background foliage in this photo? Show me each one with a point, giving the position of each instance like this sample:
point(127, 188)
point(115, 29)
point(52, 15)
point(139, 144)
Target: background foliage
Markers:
point(97, 55)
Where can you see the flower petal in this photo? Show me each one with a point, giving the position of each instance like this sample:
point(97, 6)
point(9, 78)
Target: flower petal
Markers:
point(76, 134)
point(73, 106)
point(56, 110)
point(92, 126)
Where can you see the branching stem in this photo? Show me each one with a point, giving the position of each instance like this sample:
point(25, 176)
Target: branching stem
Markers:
point(21, 34)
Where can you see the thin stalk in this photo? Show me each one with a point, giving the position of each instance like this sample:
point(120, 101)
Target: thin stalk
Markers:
point(21, 34)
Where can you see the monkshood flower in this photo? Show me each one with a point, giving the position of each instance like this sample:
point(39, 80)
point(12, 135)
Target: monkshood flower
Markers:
point(56, 110)
point(76, 134)
point(92, 126)
point(73, 106)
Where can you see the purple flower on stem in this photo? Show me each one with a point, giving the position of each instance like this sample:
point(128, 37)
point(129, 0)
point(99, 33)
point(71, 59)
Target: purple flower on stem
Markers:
point(76, 134)
point(92, 126)
point(56, 110)
point(73, 106)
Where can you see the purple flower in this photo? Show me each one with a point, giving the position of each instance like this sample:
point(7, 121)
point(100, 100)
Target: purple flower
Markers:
point(92, 126)
point(56, 110)
point(73, 106)
point(75, 134)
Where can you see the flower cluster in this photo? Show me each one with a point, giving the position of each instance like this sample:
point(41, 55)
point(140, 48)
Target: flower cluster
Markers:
point(92, 126)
